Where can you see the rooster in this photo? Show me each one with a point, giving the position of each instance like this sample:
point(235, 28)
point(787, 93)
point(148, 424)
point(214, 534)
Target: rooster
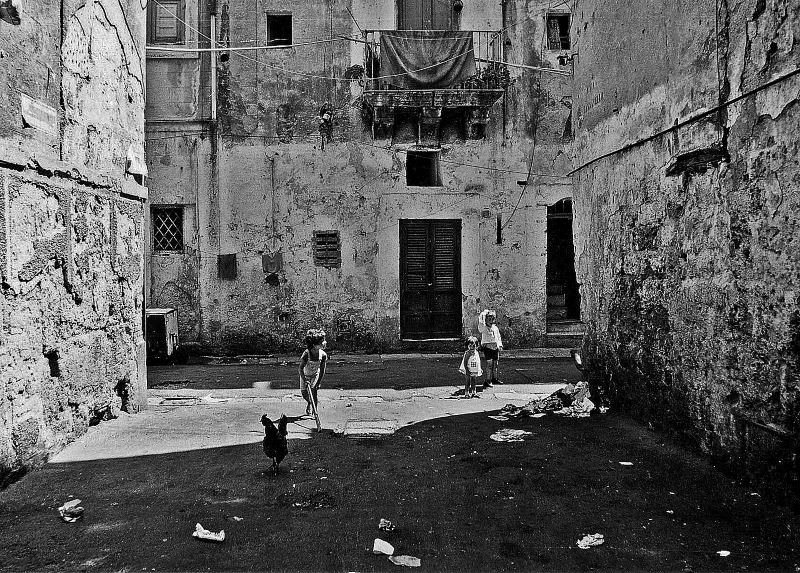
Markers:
point(275, 446)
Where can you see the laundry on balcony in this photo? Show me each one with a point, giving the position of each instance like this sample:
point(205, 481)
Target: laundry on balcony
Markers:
point(426, 59)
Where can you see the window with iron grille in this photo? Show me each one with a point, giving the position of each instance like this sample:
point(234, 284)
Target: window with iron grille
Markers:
point(558, 31)
point(167, 228)
point(327, 249)
point(165, 21)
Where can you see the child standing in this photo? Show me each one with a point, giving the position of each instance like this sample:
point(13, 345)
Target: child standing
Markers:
point(312, 365)
point(471, 367)
point(491, 344)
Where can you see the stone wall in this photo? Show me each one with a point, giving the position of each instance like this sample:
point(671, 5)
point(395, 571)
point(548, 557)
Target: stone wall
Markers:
point(259, 181)
point(71, 224)
point(688, 220)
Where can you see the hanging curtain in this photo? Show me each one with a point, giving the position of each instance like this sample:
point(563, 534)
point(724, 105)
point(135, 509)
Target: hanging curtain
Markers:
point(427, 59)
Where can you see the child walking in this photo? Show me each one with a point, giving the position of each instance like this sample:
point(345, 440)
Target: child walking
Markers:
point(471, 367)
point(491, 344)
point(312, 365)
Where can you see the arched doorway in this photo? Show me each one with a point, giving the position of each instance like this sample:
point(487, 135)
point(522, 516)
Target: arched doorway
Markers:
point(563, 297)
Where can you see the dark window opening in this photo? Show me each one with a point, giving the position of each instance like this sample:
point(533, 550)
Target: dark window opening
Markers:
point(165, 22)
point(499, 228)
point(167, 228)
point(279, 29)
point(327, 249)
point(422, 169)
point(226, 266)
point(558, 31)
point(52, 361)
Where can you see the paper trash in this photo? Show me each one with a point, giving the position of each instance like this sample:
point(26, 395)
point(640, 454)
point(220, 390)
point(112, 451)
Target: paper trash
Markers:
point(71, 511)
point(201, 533)
point(405, 560)
point(380, 546)
point(591, 540)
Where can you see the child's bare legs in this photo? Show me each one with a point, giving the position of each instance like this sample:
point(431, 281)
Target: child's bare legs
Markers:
point(472, 383)
point(467, 379)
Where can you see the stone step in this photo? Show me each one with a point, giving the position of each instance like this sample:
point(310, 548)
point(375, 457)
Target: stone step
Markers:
point(566, 326)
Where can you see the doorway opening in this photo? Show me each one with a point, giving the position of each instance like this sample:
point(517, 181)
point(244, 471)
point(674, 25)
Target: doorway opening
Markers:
point(563, 296)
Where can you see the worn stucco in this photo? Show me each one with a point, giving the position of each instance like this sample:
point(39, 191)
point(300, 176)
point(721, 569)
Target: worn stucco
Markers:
point(71, 225)
point(259, 181)
point(687, 244)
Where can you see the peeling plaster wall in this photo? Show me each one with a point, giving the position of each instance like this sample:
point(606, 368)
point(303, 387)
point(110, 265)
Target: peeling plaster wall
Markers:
point(687, 245)
point(71, 226)
point(269, 184)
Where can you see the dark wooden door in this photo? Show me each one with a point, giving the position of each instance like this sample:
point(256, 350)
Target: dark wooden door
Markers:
point(426, 15)
point(430, 278)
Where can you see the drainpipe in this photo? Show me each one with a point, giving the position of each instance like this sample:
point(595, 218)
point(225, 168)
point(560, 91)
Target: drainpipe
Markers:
point(213, 64)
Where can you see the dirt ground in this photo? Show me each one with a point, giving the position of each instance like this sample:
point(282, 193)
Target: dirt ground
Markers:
point(394, 374)
point(461, 502)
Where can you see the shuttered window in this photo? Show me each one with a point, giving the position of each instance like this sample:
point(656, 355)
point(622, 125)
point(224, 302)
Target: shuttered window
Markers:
point(327, 249)
point(558, 31)
point(445, 241)
point(165, 21)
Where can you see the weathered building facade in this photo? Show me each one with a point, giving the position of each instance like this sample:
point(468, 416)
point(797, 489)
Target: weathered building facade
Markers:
point(688, 218)
point(332, 181)
point(71, 222)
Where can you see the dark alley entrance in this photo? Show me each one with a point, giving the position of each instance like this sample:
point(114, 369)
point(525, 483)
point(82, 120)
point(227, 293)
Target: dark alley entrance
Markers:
point(563, 298)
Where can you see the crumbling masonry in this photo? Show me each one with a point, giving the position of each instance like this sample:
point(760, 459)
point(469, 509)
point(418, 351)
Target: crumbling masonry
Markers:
point(688, 219)
point(71, 223)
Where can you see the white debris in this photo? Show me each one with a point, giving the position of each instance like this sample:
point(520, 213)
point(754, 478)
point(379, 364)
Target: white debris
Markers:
point(380, 546)
point(509, 435)
point(405, 560)
point(591, 540)
point(202, 533)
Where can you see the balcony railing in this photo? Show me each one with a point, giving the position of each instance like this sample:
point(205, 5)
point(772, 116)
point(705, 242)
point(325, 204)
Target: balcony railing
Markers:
point(489, 72)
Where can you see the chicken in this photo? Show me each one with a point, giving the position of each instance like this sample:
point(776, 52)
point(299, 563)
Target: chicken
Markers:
point(275, 446)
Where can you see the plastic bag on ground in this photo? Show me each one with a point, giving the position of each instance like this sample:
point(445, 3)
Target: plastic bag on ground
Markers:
point(386, 525)
point(71, 511)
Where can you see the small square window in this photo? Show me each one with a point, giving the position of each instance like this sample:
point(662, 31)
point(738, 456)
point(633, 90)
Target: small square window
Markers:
point(226, 266)
point(422, 169)
point(279, 29)
point(558, 31)
point(167, 228)
point(327, 249)
point(165, 21)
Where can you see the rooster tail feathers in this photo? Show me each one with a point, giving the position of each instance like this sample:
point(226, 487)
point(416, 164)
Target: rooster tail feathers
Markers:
point(282, 425)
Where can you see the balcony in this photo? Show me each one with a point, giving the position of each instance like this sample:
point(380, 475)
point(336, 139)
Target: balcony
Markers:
point(427, 71)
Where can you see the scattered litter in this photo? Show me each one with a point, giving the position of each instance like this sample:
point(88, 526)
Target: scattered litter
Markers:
point(71, 511)
point(380, 546)
point(603, 409)
point(509, 435)
point(235, 518)
point(499, 418)
point(672, 493)
point(591, 540)
point(386, 525)
point(405, 560)
point(284, 363)
point(723, 553)
point(626, 463)
point(756, 494)
point(201, 533)
point(211, 400)
point(573, 400)
point(669, 511)
point(539, 415)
